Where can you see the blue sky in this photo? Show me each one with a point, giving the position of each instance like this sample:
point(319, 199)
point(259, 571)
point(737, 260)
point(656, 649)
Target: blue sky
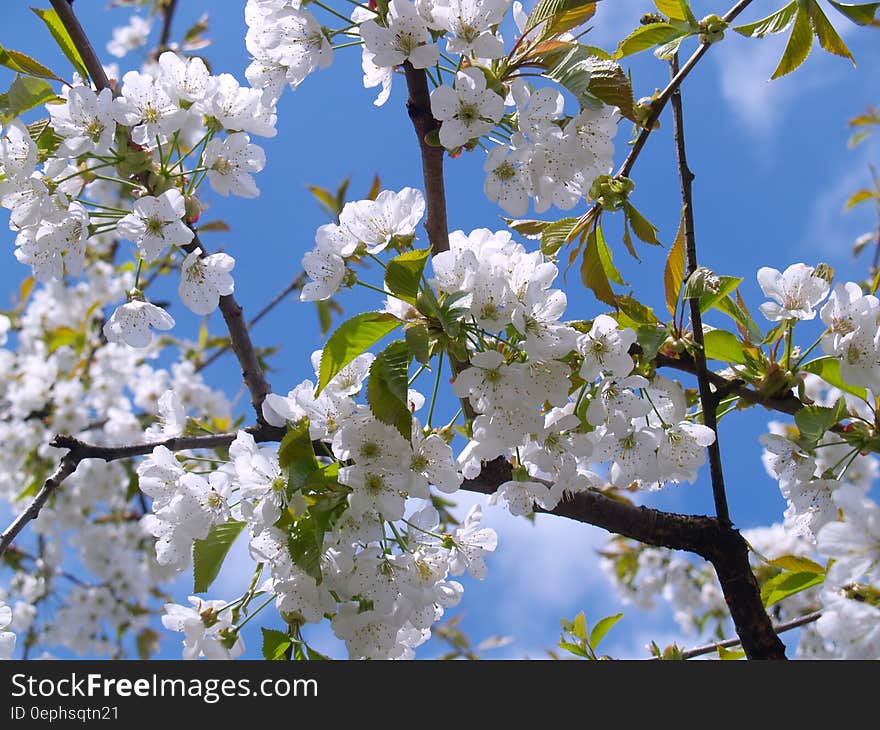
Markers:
point(772, 173)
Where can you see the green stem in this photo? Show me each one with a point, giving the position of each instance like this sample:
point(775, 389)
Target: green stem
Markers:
point(373, 288)
point(254, 613)
point(348, 45)
point(436, 388)
point(809, 350)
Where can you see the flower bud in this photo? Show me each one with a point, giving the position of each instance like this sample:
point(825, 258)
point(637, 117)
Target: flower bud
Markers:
point(712, 29)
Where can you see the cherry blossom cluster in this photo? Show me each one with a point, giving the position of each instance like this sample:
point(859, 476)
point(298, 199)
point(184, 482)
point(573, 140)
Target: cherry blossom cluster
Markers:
point(383, 591)
point(538, 153)
point(164, 117)
point(59, 377)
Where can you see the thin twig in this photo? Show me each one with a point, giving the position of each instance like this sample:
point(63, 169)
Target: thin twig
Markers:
point(167, 9)
point(295, 285)
point(658, 104)
point(707, 398)
point(727, 643)
point(81, 41)
point(419, 108)
point(80, 451)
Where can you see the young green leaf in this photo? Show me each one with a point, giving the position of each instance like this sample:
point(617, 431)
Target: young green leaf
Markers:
point(798, 564)
point(673, 273)
point(209, 554)
point(602, 628)
point(555, 235)
point(25, 93)
point(726, 284)
point(404, 272)
point(775, 23)
point(799, 45)
point(418, 342)
point(642, 227)
point(723, 346)
point(787, 584)
point(63, 39)
point(276, 644)
point(297, 454)
point(675, 10)
point(593, 272)
point(21, 63)
point(352, 338)
point(730, 655)
point(645, 37)
point(387, 387)
point(858, 13)
point(827, 35)
point(828, 368)
point(814, 421)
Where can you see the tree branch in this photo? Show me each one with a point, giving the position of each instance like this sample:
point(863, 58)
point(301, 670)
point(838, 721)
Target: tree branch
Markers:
point(80, 451)
point(295, 285)
point(727, 643)
point(81, 41)
point(658, 104)
point(707, 398)
point(167, 9)
point(707, 537)
point(419, 108)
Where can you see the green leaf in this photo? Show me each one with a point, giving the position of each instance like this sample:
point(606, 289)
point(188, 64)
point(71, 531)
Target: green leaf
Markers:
point(645, 37)
point(730, 655)
point(579, 627)
point(642, 227)
point(574, 649)
point(21, 63)
point(567, 20)
point(651, 339)
point(387, 387)
point(418, 342)
point(297, 454)
point(555, 235)
point(814, 421)
point(668, 50)
point(860, 197)
point(546, 9)
point(276, 644)
point(723, 346)
point(675, 10)
point(787, 584)
point(827, 35)
point(63, 39)
point(775, 23)
point(529, 228)
point(585, 73)
point(326, 199)
point(726, 285)
point(209, 554)
point(593, 272)
point(306, 544)
point(605, 257)
point(404, 273)
point(828, 368)
point(797, 564)
point(352, 338)
point(636, 311)
point(738, 314)
point(673, 273)
point(799, 45)
point(602, 628)
point(858, 13)
point(610, 84)
point(25, 93)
